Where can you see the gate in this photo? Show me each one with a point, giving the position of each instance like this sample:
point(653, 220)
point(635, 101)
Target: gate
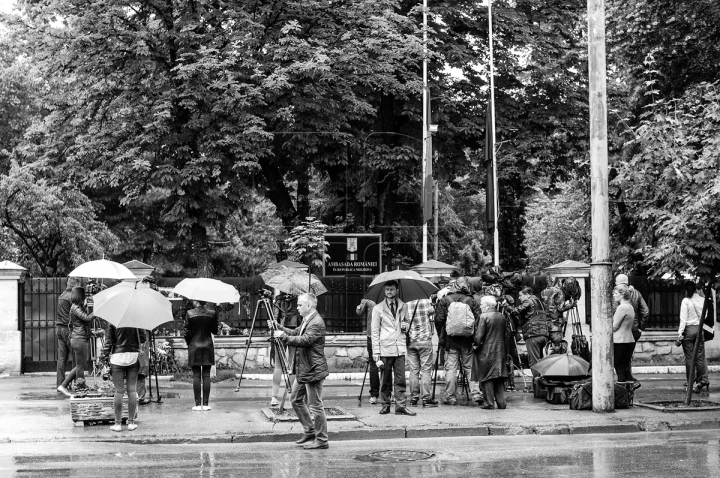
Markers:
point(39, 308)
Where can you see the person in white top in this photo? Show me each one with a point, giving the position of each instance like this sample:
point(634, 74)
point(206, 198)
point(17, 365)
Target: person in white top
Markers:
point(690, 325)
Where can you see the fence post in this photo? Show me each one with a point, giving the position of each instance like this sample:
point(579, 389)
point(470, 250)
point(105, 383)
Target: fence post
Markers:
point(10, 312)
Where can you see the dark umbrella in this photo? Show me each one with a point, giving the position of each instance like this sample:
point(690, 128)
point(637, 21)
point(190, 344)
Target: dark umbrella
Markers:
point(411, 286)
point(562, 365)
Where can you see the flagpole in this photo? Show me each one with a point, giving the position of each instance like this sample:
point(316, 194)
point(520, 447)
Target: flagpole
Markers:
point(496, 234)
point(425, 133)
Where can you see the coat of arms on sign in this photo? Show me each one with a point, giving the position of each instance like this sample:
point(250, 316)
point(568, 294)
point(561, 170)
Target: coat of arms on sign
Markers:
point(352, 248)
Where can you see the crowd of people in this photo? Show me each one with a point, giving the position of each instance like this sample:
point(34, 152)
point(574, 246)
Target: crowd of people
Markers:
point(477, 332)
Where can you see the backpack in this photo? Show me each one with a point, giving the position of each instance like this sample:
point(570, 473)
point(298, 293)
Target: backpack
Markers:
point(460, 320)
point(581, 396)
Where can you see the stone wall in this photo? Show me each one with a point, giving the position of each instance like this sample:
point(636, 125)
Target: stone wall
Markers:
point(342, 352)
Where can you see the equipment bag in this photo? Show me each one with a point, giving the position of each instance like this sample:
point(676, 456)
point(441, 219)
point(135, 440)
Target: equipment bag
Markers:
point(460, 320)
point(581, 397)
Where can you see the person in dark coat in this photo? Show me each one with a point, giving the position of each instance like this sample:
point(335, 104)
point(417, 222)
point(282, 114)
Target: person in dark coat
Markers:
point(490, 344)
point(80, 335)
point(62, 329)
point(200, 325)
point(533, 324)
point(308, 363)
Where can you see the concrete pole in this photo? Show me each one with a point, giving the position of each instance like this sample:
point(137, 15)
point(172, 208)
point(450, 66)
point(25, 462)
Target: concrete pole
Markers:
point(437, 221)
point(496, 232)
point(427, 145)
point(601, 268)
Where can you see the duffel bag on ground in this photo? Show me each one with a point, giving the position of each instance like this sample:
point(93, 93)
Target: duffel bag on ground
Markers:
point(581, 397)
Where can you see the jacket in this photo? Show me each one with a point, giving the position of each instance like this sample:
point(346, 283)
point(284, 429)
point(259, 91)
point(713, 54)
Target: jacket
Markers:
point(490, 341)
point(307, 360)
point(555, 305)
point(124, 339)
point(642, 312)
point(199, 326)
point(388, 339)
point(622, 324)
point(63, 308)
point(80, 323)
point(365, 308)
point(531, 317)
point(441, 312)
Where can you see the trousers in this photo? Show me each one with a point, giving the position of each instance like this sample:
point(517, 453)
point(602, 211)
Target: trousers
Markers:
point(312, 393)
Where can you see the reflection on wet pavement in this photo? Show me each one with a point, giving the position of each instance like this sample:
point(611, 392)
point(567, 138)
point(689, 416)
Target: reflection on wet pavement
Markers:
point(640, 454)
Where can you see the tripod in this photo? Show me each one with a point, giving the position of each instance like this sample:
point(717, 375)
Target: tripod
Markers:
point(279, 347)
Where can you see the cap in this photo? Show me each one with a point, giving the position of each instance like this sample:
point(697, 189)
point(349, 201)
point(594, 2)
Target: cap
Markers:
point(621, 279)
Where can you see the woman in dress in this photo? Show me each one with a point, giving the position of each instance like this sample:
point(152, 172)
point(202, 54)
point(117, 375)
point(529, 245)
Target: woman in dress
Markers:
point(489, 361)
point(122, 349)
point(623, 340)
point(79, 337)
point(690, 326)
point(200, 325)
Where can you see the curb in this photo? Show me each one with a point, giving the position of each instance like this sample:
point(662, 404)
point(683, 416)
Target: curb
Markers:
point(402, 432)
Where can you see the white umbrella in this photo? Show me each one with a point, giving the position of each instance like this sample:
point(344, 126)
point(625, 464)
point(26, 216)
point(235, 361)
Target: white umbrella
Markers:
point(133, 305)
point(208, 290)
point(103, 269)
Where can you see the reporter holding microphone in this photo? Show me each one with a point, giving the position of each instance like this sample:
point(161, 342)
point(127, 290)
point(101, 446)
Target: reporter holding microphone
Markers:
point(307, 361)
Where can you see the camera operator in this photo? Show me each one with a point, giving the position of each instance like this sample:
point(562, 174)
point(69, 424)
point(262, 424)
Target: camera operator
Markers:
point(286, 313)
point(555, 305)
point(533, 324)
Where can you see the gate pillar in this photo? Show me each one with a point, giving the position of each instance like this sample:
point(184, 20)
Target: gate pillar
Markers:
point(10, 318)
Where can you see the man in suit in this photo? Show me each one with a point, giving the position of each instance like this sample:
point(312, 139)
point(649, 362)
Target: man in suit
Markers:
point(308, 363)
point(389, 324)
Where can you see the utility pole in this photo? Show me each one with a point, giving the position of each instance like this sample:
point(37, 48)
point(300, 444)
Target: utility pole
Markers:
point(437, 221)
point(427, 140)
point(496, 231)
point(603, 380)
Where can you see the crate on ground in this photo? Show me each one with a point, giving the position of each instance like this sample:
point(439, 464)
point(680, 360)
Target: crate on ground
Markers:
point(96, 409)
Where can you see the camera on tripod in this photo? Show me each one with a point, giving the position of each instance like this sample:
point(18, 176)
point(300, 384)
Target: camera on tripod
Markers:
point(265, 293)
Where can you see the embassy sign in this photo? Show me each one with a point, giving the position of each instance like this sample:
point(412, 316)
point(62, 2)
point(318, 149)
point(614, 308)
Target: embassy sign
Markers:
point(353, 254)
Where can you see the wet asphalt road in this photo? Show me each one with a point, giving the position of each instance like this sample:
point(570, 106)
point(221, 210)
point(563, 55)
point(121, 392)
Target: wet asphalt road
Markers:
point(676, 454)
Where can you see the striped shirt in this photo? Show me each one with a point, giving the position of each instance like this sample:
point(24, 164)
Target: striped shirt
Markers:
point(422, 325)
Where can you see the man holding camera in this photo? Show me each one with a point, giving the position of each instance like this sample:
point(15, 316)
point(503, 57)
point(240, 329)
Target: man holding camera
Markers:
point(389, 324)
point(308, 363)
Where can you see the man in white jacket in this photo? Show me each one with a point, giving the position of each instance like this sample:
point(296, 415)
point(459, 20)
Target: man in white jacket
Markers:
point(389, 323)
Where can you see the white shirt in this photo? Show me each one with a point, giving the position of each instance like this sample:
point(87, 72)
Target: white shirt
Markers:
point(690, 310)
point(123, 359)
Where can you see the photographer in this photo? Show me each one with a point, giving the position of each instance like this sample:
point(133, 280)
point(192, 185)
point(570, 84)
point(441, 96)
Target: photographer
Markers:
point(555, 305)
point(533, 324)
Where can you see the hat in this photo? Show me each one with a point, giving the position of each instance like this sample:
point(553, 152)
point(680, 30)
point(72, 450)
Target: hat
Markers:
point(621, 279)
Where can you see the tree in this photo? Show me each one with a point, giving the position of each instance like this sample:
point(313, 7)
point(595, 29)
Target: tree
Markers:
point(671, 184)
point(558, 226)
point(308, 244)
point(53, 229)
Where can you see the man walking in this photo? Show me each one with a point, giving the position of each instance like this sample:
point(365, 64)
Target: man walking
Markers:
point(420, 351)
point(310, 367)
point(533, 325)
point(62, 329)
point(642, 312)
point(455, 320)
point(365, 310)
point(389, 323)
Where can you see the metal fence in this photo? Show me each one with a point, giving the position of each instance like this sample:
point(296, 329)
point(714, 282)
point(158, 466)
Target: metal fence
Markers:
point(337, 307)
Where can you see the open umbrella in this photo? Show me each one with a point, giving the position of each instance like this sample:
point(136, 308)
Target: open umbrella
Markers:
point(562, 365)
point(103, 269)
point(290, 264)
point(207, 290)
point(411, 286)
point(293, 281)
point(133, 305)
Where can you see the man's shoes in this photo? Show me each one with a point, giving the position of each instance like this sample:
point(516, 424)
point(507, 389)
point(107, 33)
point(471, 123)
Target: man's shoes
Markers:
point(274, 402)
point(144, 401)
point(487, 407)
point(197, 408)
point(64, 391)
point(404, 411)
point(414, 402)
point(450, 401)
point(317, 445)
point(305, 439)
point(206, 408)
point(636, 385)
point(430, 403)
point(373, 400)
point(384, 410)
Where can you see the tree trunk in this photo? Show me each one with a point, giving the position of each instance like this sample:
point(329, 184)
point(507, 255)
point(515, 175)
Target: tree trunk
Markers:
point(277, 193)
point(303, 195)
point(201, 251)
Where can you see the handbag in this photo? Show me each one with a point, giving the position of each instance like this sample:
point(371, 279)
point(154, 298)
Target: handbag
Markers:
point(708, 325)
point(407, 334)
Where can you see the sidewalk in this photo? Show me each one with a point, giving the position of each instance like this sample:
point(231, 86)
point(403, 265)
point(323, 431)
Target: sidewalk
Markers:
point(32, 411)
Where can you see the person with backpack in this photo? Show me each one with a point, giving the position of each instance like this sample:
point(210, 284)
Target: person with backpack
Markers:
point(455, 321)
point(533, 324)
point(555, 305)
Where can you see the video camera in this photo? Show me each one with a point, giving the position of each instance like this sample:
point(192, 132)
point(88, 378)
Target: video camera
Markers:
point(92, 287)
point(265, 293)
